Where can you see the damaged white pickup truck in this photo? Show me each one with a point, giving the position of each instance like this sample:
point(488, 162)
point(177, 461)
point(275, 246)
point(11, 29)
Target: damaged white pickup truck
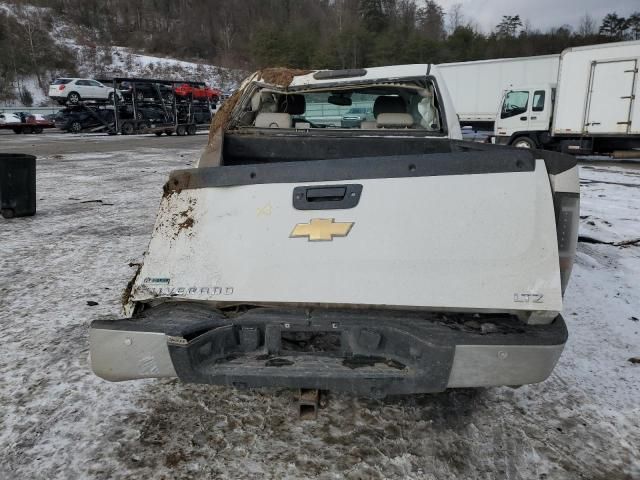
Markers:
point(376, 254)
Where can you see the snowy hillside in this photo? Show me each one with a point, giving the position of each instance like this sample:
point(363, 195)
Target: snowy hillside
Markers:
point(94, 60)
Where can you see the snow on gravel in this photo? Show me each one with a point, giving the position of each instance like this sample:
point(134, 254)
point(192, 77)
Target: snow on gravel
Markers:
point(59, 421)
point(611, 214)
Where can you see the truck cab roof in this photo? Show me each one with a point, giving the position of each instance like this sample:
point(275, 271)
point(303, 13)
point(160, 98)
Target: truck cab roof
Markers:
point(410, 98)
point(361, 75)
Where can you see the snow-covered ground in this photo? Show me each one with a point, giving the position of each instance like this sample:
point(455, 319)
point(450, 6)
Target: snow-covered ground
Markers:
point(96, 61)
point(605, 213)
point(59, 421)
point(120, 61)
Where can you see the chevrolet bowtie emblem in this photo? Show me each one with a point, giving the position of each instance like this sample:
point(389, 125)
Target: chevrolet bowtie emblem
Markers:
point(321, 229)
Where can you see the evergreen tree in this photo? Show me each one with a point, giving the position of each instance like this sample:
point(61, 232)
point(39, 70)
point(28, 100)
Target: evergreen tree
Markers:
point(633, 23)
point(613, 26)
point(509, 26)
point(431, 20)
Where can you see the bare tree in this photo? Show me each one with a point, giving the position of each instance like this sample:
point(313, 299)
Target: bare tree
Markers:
point(32, 26)
point(455, 18)
point(227, 30)
point(587, 26)
point(527, 27)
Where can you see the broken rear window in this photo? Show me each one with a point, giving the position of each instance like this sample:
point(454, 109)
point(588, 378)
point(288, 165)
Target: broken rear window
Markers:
point(371, 107)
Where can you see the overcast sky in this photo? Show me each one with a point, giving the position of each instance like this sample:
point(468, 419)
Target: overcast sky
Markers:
point(542, 14)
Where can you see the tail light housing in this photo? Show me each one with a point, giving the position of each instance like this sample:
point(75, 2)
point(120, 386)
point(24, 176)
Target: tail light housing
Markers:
point(61, 87)
point(567, 206)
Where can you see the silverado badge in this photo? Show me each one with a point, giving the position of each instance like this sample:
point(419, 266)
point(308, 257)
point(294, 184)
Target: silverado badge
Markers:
point(321, 229)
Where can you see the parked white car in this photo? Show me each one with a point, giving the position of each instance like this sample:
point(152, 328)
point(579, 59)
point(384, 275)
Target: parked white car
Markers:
point(7, 118)
point(74, 90)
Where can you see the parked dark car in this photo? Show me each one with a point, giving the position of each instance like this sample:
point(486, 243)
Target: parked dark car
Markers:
point(200, 114)
point(355, 116)
point(75, 120)
point(146, 91)
point(153, 113)
point(51, 117)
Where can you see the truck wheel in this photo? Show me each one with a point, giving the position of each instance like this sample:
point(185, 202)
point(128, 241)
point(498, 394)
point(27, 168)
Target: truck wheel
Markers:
point(27, 130)
point(158, 133)
point(76, 127)
point(524, 142)
point(73, 98)
point(7, 213)
point(37, 130)
point(17, 130)
point(181, 130)
point(127, 128)
point(169, 132)
point(191, 130)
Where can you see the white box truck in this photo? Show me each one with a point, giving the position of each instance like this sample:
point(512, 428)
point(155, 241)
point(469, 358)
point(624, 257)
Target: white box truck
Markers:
point(591, 107)
point(476, 88)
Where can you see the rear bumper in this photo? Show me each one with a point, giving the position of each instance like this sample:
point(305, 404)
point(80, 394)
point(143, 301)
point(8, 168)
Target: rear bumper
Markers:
point(373, 353)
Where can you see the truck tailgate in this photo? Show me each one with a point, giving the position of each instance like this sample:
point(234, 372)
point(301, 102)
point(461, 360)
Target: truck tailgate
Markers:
point(463, 231)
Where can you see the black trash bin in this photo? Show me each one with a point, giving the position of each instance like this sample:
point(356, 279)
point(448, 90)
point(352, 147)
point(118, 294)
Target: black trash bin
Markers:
point(17, 185)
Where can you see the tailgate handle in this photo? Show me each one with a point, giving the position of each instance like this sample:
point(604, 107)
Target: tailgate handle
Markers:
point(326, 194)
point(326, 197)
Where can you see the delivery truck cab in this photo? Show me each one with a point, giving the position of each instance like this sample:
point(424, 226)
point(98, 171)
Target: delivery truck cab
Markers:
point(525, 113)
point(591, 108)
point(476, 101)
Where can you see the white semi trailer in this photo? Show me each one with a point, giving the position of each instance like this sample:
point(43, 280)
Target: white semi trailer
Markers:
point(476, 88)
point(592, 105)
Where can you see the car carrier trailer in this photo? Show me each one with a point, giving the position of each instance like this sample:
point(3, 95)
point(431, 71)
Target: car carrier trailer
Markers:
point(170, 113)
point(145, 106)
